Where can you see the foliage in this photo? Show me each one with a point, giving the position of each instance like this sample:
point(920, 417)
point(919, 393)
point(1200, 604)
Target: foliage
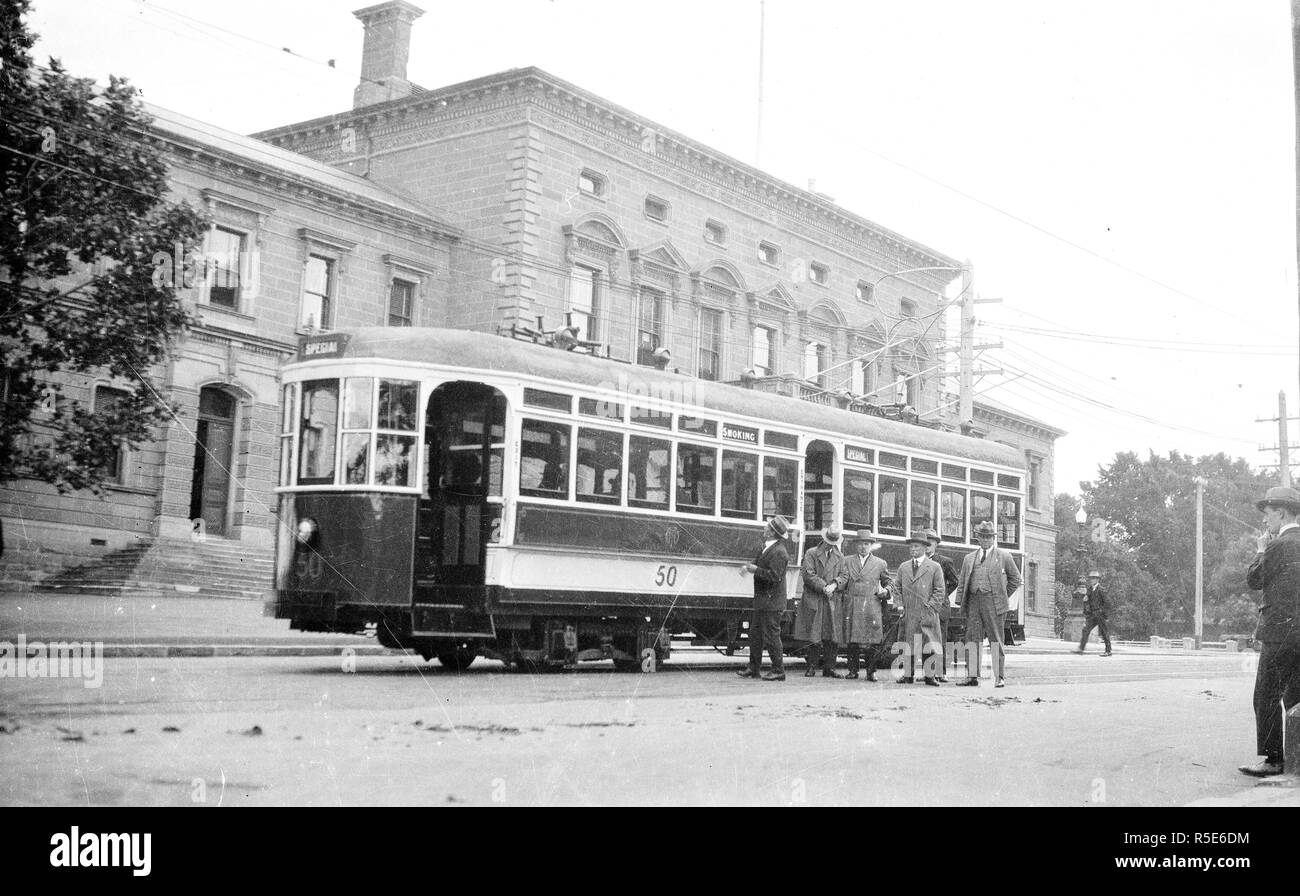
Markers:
point(83, 218)
point(1146, 555)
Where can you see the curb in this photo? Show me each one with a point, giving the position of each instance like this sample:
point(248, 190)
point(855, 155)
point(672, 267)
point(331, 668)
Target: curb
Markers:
point(167, 651)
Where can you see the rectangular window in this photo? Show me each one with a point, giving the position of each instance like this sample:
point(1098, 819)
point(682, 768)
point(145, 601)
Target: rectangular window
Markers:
point(401, 303)
point(814, 362)
point(983, 477)
point(555, 401)
point(647, 473)
point(906, 308)
point(318, 432)
point(981, 510)
point(925, 507)
point(655, 416)
point(774, 439)
point(591, 183)
point(287, 395)
point(928, 467)
point(710, 344)
point(317, 290)
point(739, 485)
point(768, 254)
point(1005, 481)
point(1031, 586)
point(584, 302)
point(600, 466)
point(1008, 522)
point(897, 461)
point(106, 405)
point(223, 259)
point(696, 479)
point(599, 407)
point(859, 499)
point(858, 377)
point(358, 414)
point(1033, 488)
point(395, 453)
point(819, 273)
point(715, 233)
point(952, 514)
point(656, 209)
point(954, 472)
point(864, 292)
point(649, 326)
point(761, 350)
point(544, 459)
point(893, 505)
point(780, 487)
point(700, 426)
point(397, 404)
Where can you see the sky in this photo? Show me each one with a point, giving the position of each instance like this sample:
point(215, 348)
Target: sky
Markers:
point(1121, 174)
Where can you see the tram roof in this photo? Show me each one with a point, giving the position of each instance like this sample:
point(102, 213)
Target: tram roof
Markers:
point(467, 348)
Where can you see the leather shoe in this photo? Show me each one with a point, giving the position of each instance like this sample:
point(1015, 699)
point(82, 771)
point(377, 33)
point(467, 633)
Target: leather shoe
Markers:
point(871, 676)
point(831, 673)
point(1107, 653)
point(851, 675)
point(969, 683)
point(1001, 683)
point(932, 682)
point(1265, 769)
point(810, 672)
point(748, 673)
point(907, 679)
point(774, 676)
point(1076, 651)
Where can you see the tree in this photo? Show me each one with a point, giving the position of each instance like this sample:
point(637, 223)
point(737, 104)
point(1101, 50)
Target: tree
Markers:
point(83, 220)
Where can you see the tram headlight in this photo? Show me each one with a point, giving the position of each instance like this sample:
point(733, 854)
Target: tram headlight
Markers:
point(308, 530)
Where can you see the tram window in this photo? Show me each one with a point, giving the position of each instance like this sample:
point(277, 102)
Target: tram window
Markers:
point(356, 452)
point(928, 467)
point(358, 400)
point(647, 473)
point(981, 509)
point(699, 426)
point(780, 487)
point(897, 461)
point(696, 466)
point(393, 459)
point(544, 460)
point(859, 499)
point(289, 393)
point(925, 506)
point(652, 417)
point(739, 485)
point(286, 416)
point(952, 514)
point(893, 505)
point(1005, 481)
point(983, 477)
point(319, 432)
point(781, 440)
point(599, 407)
point(599, 477)
point(1008, 522)
point(469, 423)
point(397, 401)
point(286, 460)
point(540, 398)
point(954, 472)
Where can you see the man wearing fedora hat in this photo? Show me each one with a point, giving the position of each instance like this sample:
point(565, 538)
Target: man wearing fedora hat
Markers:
point(1096, 609)
point(768, 570)
point(863, 622)
point(919, 586)
point(819, 618)
point(988, 578)
point(1276, 571)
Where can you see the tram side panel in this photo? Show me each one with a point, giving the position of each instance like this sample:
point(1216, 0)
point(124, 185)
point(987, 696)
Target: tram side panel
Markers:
point(345, 560)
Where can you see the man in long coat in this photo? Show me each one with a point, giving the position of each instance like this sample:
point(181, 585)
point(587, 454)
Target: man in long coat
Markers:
point(950, 582)
point(1276, 571)
point(919, 585)
point(819, 619)
point(868, 579)
point(988, 578)
point(768, 570)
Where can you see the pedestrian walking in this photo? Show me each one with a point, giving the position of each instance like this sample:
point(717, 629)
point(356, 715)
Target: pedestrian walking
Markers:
point(863, 615)
point(988, 578)
point(1096, 612)
point(768, 570)
point(919, 587)
point(1276, 571)
point(950, 581)
point(819, 620)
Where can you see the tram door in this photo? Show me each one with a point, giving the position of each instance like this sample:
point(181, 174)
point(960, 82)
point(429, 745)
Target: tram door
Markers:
point(818, 491)
point(460, 509)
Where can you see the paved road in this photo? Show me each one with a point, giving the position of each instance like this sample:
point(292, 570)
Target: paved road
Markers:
point(1141, 730)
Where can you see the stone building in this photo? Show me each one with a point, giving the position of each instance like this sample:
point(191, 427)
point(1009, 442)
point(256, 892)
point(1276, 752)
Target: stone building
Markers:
point(293, 244)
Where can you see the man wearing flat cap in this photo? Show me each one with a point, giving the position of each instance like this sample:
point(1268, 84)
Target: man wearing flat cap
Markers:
point(863, 622)
point(919, 586)
point(819, 618)
point(989, 577)
point(768, 570)
point(1276, 572)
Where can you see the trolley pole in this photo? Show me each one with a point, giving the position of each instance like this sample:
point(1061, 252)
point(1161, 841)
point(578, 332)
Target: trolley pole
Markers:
point(1200, 549)
point(966, 354)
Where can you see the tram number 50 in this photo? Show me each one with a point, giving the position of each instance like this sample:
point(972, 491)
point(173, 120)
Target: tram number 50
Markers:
point(666, 575)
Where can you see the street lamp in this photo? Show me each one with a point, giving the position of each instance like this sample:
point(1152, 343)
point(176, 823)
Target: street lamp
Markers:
point(1081, 549)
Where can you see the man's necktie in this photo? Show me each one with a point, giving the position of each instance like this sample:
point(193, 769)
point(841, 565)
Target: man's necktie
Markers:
point(916, 566)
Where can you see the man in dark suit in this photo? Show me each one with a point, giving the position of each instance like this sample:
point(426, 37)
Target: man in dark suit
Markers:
point(1096, 611)
point(989, 577)
point(950, 582)
point(1276, 571)
point(768, 570)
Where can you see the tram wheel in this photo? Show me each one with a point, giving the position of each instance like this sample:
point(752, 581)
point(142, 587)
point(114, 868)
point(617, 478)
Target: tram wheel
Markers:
point(457, 660)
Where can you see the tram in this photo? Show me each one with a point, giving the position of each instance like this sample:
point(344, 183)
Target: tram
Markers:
point(466, 493)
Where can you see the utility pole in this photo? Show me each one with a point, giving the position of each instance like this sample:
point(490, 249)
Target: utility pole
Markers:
point(1200, 552)
point(966, 354)
point(1283, 446)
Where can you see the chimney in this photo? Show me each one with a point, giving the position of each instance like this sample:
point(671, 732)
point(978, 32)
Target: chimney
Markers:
point(384, 54)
